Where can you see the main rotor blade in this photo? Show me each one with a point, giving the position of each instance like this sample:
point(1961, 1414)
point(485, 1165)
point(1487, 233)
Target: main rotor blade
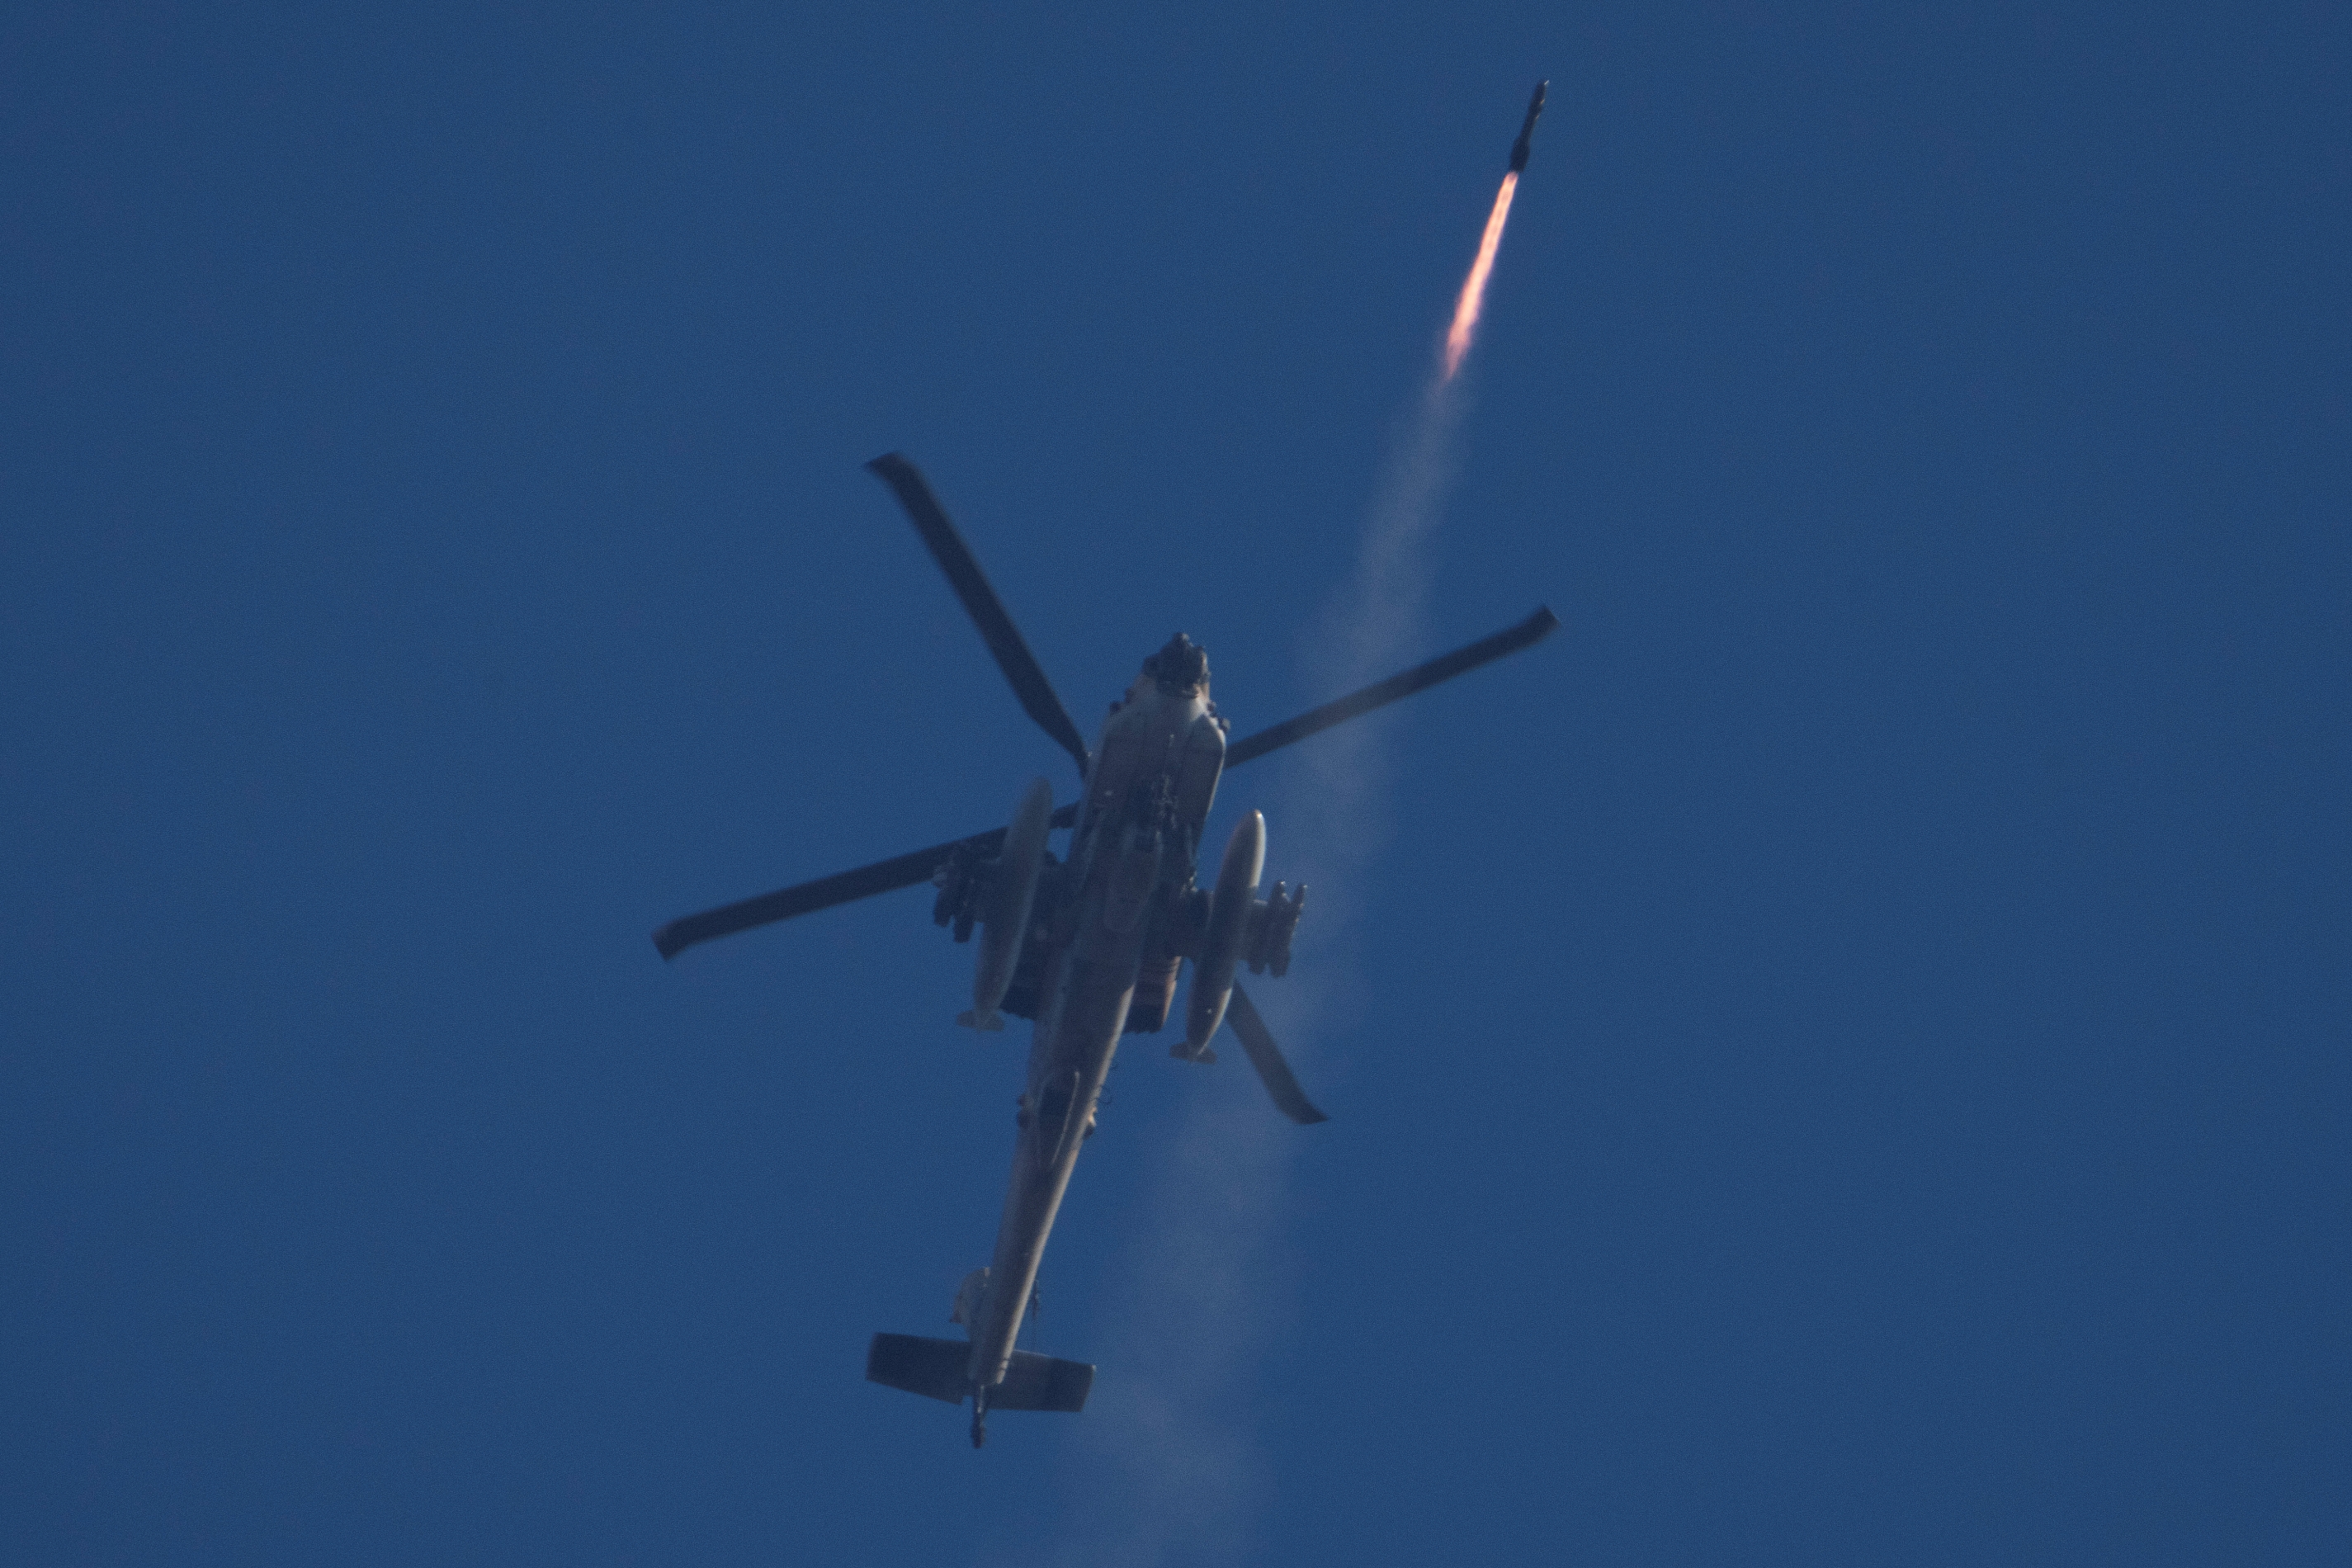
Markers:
point(1266, 1057)
point(1420, 677)
point(882, 876)
point(979, 601)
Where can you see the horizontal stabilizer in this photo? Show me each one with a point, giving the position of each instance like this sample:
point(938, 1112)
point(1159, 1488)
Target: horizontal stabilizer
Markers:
point(939, 1369)
point(936, 1369)
point(1037, 1381)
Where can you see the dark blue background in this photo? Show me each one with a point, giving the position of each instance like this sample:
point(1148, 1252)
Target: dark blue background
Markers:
point(1838, 1056)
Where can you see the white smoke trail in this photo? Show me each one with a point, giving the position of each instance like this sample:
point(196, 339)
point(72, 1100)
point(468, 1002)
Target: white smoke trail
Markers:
point(1173, 1469)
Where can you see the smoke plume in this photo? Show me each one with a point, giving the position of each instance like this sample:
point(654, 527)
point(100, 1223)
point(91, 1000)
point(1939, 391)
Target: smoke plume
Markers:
point(1173, 1470)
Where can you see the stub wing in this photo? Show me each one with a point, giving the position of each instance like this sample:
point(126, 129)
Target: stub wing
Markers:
point(807, 898)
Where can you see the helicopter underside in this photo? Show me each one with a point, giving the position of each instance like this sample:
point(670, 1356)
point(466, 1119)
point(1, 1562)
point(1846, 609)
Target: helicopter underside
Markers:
point(1097, 955)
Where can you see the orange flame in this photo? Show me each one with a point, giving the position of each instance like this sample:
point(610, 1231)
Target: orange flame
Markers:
point(1474, 288)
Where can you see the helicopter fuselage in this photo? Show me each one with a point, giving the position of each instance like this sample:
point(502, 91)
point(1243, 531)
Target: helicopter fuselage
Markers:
point(1150, 783)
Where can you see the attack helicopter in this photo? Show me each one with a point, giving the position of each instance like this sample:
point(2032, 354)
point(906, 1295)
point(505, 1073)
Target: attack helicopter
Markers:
point(1088, 946)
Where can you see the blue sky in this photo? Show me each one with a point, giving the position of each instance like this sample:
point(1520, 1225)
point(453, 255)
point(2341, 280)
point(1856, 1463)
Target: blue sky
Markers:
point(1837, 1056)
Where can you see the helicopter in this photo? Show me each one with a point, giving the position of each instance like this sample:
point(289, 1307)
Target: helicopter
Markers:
point(1088, 946)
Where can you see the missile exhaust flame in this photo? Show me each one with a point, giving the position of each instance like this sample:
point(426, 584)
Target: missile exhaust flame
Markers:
point(1474, 288)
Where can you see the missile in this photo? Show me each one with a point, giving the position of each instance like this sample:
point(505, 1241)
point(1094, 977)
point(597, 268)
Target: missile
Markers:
point(1519, 147)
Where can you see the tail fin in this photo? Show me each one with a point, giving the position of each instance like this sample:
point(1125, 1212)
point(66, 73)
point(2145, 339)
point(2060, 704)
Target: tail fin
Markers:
point(941, 1369)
